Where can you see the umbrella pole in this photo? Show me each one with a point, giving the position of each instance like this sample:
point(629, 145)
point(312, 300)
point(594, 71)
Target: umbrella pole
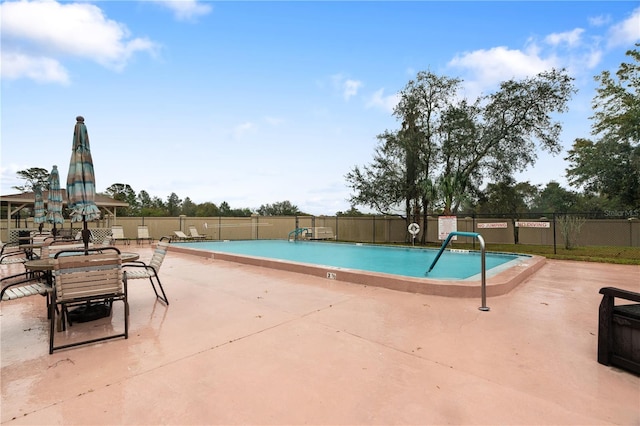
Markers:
point(85, 234)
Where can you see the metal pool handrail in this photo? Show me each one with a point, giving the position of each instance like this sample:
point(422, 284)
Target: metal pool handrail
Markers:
point(297, 232)
point(483, 271)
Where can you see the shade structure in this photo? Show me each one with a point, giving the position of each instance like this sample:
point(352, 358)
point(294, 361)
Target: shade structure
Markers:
point(39, 213)
point(54, 200)
point(81, 183)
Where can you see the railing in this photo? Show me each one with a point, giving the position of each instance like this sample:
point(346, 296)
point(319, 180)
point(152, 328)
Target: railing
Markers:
point(297, 232)
point(483, 271)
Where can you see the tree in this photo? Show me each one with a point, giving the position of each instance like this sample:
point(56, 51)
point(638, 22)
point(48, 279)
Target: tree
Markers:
point(617, 102)
point(34, 176)
point(402, 169)
point(225, 209)
point(174, 204)
point(207, 209)
point(510, 198)
point(455, 143)
point(610, 165)
point(124, 192)
point(555, 199)
point(281, 208)
point(188, 207)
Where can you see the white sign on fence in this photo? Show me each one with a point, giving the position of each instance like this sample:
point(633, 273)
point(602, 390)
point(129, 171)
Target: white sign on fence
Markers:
point(533, 225)
point(491, 225)
point(447, 225)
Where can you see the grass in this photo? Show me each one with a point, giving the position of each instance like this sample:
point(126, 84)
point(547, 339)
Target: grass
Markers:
point(602, 254)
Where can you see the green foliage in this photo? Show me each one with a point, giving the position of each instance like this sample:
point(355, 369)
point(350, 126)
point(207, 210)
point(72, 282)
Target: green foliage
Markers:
point(281, 208)
point(456, 143)
point(174, 204)
point(610, 166)
point(34, 176)
point(555, 199)
point(124, 192)
point(617, 102)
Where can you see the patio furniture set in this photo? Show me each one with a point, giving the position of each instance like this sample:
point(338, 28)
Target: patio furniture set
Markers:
point(86, 278)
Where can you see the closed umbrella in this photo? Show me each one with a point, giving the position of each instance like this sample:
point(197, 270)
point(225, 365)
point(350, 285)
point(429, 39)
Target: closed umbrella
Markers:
point(81, 184)
point(54, 200)
point(39, 214)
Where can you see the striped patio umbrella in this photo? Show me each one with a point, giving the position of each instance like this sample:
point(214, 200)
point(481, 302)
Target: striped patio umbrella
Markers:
point(54, 200)
point(81, 183)
point(39, 213)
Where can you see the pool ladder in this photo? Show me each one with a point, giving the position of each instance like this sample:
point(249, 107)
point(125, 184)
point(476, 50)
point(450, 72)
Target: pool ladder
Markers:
point(297, 232)
point(483, 268)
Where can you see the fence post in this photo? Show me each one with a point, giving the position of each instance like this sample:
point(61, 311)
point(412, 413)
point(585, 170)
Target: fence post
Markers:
point(554, 233)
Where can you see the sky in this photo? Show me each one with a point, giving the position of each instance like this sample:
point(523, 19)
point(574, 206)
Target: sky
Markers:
point(255, 103)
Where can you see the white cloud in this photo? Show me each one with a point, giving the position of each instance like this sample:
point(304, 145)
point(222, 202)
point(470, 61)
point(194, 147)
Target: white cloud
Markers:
point(350, 88)
point(570, 38)
point(347, 87)
point(243, 129)
point(600, 20)
point(40, 69)
point(43, 29)
point(490, 67)
point(186, 10)
point(626, 32)
point(379, 100)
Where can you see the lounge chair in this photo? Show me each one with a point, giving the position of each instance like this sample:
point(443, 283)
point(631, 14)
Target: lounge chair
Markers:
point(143, 235)
point(182, 236)
point(80, 279)
point(194, 234)
point(117, 234)
point(139, 269)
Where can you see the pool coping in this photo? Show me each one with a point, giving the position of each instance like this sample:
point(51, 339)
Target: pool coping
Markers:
point(496, 285)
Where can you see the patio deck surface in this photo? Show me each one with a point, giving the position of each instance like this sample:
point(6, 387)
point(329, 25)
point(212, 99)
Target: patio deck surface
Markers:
point(242, 344)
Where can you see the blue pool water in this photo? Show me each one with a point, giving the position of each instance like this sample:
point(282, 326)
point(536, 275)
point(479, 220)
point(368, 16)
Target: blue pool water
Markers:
point(407, 261)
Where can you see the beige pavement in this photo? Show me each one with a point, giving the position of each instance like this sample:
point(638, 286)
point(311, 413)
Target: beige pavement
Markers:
point(241, 344)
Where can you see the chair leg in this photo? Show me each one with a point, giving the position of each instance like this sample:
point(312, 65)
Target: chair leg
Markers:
point(52, 321)
point(164, 296)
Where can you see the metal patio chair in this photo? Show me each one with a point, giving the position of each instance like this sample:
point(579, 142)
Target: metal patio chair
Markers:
point(138, 269)
point(82, 277)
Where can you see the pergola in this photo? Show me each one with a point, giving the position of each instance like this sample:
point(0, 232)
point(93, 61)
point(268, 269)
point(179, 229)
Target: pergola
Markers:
point(17, 202)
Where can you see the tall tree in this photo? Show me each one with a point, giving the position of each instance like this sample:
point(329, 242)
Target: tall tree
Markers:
point(610, 165)
point(34, 176)
point(449, 140)
point(555, 199)
point(402, 171)
point(174, 204)
point(124, 192)
point(188, 207)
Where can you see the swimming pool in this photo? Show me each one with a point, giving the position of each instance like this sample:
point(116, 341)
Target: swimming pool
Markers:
point(402, 268)
point(406, 261)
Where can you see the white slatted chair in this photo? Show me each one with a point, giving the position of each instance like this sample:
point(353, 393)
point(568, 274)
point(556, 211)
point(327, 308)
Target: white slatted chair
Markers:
point(117, 234)
point(138, 269)
point(181, 236)
point(81, 278)
point(22, 285)
point(193, 231)
point(143, 235)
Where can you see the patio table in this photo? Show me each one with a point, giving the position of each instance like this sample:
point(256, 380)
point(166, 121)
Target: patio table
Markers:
point(48, 264)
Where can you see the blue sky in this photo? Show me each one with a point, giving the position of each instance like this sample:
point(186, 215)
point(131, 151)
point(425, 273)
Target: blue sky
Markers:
point(259, 102)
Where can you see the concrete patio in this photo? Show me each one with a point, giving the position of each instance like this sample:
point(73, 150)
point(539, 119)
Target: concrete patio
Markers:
point(242, 344)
